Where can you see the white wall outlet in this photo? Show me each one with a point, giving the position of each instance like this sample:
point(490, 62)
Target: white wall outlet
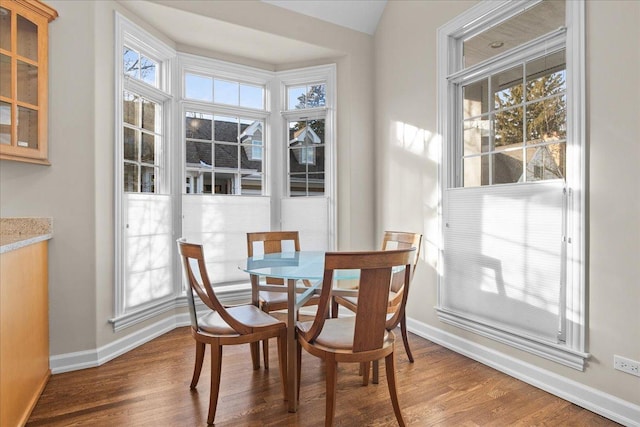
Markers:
point(626, 365)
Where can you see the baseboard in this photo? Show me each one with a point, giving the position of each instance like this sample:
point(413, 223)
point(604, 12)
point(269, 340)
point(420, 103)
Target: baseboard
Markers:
point(594, 400)
point(92, 358)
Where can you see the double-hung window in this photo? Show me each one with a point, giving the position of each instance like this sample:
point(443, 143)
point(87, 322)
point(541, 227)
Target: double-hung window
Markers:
point(511, 101)
point(143, 206)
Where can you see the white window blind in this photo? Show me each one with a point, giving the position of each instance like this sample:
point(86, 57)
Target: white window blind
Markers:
point(503, 258)
point(148, 247)
point(308, 215)
point(221, 224)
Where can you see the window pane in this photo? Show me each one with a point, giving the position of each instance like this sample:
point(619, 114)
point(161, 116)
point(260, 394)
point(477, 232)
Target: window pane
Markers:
point(546, 162)
point(507, 167)
point(28, 129)
point(5, 29)
point(546, 120)
point(296, 97)
point(198, 154)
point(198, 182)
point(147, 179)
point(297, 185)
point(315, 157)
point(131, 144)
point(251, 96)
point(131, 177)
point(5, 75)
point(225, 92)
point(251, 184)
point(544, 17)
point(5, 123)
point(508, 128)
point(226, 156)
point(198, 126)
point(546, 76)
point(226, 129)
point(198, 87)
point(27, 38)
point(148, 148)
point(131, 109)
point(224, 183)
point(27, 83)
point(148, 71)
point(474, 99)
point(476, 135)
point(131, 63)
point(476, 171)
point(507, 88)
point(316, 184)
point(150, 112)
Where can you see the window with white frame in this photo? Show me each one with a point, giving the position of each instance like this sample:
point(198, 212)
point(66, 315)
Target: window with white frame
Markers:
point(511, 79)
point(144, 229)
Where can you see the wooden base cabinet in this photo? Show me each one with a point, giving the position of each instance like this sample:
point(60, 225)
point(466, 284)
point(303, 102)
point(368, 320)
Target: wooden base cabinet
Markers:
point(24, 331)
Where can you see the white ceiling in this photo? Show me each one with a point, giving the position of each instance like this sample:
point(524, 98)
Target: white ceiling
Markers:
point(359, 15)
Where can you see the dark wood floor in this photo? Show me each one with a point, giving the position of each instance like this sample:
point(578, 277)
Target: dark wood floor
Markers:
point(150, 386)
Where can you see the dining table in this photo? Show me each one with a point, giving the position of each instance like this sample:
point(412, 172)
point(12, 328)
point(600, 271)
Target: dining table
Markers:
point(293, 268)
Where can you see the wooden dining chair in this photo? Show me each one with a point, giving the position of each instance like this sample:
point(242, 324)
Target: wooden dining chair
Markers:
point(391, 240)
point(266, 243)
point(222, 325)
point(368, 335)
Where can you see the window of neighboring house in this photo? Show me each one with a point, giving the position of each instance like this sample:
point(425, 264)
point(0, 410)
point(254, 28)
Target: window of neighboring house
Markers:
point(144, 228)
point(512, 85)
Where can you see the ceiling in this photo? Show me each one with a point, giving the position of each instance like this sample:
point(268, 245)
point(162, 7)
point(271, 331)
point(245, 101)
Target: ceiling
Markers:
point(358, 15)
point(197, 31)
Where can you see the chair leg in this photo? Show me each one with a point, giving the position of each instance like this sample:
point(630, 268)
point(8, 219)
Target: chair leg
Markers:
point(216, 368)
point(265, 353)
point(332, 382)
point(282, 360)
point(298, 378)
point(391, 381)
point(405, 339)
point(376, 372)
point(334, 308)
point(200, 348)
point(255, 355)
point(364, 366)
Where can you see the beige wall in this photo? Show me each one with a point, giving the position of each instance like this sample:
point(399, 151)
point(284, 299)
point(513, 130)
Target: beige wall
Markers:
point(406, 144)
point(77, 190)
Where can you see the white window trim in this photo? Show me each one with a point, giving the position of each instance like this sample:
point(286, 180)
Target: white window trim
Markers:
point(127, 33)
point(573, 352)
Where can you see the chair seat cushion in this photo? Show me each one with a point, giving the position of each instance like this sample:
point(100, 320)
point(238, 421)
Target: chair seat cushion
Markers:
point(354, 299)
point(336, 333)
point(250, 315)
point(273, 298)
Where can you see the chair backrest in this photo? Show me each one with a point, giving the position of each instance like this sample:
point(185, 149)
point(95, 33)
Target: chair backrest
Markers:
point(195, 272)
point(269, 242)
point(373, 294)
point(402, 240)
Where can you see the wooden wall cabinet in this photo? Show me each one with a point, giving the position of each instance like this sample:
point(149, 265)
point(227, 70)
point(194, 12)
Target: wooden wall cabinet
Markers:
point(24, 74)
point(24, 331)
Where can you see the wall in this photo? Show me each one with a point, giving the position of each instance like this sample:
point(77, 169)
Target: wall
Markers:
point(407, 162)
point(77, 190)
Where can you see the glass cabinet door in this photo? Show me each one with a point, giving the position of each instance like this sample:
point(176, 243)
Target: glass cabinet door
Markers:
point(23, 80)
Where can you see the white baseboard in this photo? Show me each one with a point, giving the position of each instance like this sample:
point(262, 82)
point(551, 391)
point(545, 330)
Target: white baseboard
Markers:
point(594, 400)
point(92, 358)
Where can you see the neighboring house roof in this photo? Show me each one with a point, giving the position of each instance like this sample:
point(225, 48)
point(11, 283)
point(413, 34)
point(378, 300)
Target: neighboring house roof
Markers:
point(305, 134)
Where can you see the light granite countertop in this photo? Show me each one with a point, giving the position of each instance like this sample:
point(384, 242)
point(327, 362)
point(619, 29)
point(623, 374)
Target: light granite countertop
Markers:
point(16, 233)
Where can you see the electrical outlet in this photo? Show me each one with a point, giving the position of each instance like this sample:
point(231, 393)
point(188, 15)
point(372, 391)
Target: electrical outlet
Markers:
point(626, 365)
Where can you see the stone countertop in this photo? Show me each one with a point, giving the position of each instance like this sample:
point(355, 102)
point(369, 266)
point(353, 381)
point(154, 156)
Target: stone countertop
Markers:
point(16, 233)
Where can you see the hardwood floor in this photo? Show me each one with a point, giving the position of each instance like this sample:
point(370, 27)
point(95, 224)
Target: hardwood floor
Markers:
point(149, 386)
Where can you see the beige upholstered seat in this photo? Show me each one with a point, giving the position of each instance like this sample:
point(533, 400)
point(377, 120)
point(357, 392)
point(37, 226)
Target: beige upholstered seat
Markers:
point(368, 335)
point(245, 324)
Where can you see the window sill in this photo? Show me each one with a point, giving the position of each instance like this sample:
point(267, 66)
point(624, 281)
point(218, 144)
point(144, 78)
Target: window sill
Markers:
point(556, 352)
